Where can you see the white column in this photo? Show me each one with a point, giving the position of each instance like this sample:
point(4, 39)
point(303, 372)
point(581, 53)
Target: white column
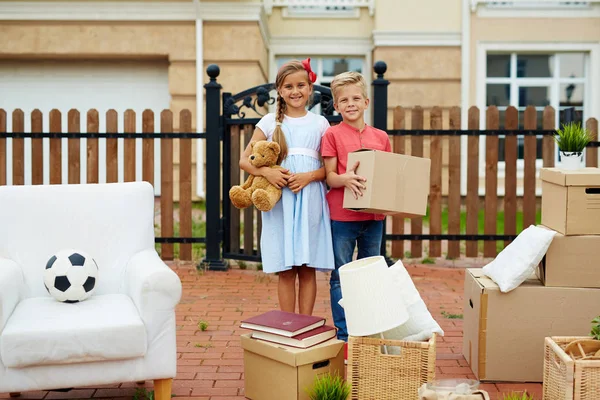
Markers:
point(199, 104)
point(465, 46)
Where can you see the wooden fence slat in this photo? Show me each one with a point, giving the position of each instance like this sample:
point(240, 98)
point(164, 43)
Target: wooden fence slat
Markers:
point(472, 200)
point(234, 176)
point(166, 184)
point(112, 147)
point(548, 141)
point(92, 159)
point(148, 147)
point(37, 148)
point(18, 148)
point(511, 121)
point(129, 147)
point(491, 181)
point(2, 147)
point(249, 211)
point(55, 148)
point(592, 152)
point(529, 155)
point(398, 143)
point(185, 185)
point(454, 150)
point(435, 191)
point(74, 146)
point(416, 149)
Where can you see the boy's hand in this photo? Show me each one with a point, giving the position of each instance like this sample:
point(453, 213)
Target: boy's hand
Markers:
point(353, 181)
point(277, 176)
point(297, 182)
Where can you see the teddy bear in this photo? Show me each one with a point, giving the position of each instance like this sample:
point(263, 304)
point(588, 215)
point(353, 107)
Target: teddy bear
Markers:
point(258, 190)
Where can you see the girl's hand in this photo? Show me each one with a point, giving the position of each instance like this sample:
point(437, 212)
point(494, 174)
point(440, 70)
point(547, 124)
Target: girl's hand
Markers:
point(297, 182)
point(353, 181)
point(277, 176)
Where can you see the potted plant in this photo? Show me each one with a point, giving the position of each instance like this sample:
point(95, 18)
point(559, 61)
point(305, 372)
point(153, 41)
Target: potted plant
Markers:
point(572, 140)
point(328, 387)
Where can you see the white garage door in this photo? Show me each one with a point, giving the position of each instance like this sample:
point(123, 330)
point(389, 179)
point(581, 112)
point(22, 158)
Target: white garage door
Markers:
point(83, 85)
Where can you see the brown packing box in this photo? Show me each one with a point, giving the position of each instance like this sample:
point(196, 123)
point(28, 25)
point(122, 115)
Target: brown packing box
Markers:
point(396, 184)
point(571, 200)
point(276, 372)
point(571, 261)
point(503, 333)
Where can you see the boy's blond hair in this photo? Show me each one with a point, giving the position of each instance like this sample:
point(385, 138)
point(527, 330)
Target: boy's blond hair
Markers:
point(345, 79)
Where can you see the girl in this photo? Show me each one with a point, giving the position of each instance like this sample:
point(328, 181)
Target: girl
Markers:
point(296, 233)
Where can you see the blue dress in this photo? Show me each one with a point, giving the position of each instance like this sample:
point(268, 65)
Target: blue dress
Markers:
point(297, 231)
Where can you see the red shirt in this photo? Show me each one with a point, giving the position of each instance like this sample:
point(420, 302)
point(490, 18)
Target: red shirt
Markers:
point(338, 141)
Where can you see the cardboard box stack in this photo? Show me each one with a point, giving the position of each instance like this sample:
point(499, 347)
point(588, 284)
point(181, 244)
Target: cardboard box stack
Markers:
point(504, 332)
point(285, 352)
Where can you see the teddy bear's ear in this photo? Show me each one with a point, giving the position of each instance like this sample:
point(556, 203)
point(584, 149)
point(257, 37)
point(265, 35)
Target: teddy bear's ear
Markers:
point(275, 147)
point(252, 143)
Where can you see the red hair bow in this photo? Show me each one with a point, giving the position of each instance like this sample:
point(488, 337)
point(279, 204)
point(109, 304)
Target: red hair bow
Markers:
point(311, 75)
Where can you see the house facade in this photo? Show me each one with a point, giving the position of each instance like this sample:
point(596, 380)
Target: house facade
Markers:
point(140, 55)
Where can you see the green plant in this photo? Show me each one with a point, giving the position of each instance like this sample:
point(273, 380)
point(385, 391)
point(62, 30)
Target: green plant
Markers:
point(596, 328)
point(572, 137)
point(328, 387)
point(202, 325)
point(517, 396)
point(451, 316)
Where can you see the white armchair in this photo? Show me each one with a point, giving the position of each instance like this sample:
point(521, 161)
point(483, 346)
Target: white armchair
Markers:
point(125, 332)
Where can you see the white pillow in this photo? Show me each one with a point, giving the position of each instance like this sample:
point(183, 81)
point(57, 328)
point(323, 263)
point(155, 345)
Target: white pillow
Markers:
point(520, 258)
point(420, 325)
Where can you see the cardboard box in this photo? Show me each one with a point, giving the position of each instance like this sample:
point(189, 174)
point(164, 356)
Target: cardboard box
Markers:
point(571, 261)
point(396, 184)
point(503, 333)
point(275, 372)
point(571, 200)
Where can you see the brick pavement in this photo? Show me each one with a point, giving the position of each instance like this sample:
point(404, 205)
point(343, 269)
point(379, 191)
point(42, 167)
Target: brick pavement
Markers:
point(210, 365)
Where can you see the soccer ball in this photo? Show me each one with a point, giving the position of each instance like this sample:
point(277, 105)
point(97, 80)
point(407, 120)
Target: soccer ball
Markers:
point(70, 276)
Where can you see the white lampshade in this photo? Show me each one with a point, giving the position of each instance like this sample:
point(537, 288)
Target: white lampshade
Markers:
point(371, 301)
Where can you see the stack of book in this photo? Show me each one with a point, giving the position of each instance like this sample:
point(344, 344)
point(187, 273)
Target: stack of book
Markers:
point(289, 329)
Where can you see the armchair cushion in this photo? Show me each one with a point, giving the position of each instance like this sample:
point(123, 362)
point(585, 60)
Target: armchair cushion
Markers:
point(43, 331)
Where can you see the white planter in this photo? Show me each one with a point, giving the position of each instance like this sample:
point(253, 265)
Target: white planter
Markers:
point(571, 160)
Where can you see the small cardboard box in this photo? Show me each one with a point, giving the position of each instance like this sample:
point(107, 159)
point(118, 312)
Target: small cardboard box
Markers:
point(571, 200)
point(503, 333)
point(275, 372)
point(396, 184)
point(571, 261)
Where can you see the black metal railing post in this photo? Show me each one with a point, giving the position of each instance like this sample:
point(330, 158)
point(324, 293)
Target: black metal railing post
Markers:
point(380, 111)
point(226, 221)
point(213, 258)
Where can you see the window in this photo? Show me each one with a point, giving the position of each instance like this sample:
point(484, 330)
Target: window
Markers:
point(327, 68)
point(538, 79)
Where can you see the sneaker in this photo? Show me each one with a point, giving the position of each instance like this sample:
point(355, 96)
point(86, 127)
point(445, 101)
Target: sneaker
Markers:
point(346, 353)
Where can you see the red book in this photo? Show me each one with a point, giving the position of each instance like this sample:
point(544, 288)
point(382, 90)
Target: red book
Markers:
point(283, 323)
point(303, 340)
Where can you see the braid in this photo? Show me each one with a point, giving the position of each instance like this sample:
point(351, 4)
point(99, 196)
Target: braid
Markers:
point(278, 135)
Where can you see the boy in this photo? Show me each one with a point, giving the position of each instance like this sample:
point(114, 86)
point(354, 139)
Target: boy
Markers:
point(349, 228)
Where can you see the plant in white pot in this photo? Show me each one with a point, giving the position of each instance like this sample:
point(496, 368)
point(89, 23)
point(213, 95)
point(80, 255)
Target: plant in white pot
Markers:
point(572, 140)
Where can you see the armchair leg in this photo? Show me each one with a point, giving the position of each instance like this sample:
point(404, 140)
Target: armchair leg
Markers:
point(162, 389)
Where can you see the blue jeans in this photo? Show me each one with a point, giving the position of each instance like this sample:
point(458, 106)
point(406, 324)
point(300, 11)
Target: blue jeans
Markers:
point(346, 236)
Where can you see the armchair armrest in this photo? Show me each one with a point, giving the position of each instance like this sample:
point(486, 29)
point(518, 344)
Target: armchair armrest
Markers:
point(11, 281)
point(151, 284)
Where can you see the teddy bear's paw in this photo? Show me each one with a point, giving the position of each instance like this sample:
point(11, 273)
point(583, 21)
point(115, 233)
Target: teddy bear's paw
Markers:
point(239, 197)
point(261, 200)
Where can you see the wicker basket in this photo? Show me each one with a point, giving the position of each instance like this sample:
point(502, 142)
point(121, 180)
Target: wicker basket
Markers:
point(378, 376)
point(568, 379)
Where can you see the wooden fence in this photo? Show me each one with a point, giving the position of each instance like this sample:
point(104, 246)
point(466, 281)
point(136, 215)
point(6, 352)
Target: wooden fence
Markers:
point(248, 231)
point(55, 134)
point(470, 204)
